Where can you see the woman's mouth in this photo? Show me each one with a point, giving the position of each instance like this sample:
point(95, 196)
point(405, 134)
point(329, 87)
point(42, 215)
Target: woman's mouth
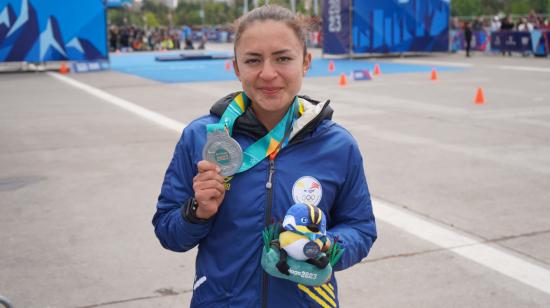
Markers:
point(269, 91)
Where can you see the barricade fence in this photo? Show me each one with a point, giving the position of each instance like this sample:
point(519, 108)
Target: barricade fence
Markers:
point(536, 42)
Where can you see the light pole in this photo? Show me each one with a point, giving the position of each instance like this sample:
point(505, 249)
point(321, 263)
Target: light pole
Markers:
point(316, 7)
point(245, 7)
point(201, 12)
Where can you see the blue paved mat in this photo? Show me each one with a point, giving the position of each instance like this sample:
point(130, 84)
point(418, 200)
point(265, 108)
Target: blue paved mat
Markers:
point(144, 65)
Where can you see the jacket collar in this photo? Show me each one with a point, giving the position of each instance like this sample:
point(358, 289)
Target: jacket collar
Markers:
point(314, 113)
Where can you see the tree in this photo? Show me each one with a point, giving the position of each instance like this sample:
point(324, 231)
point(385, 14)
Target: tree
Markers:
point(151, 20)
point(466, 7)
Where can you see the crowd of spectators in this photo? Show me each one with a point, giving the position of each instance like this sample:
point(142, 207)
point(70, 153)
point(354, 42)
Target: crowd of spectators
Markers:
point(530, 22)
point(133, 38)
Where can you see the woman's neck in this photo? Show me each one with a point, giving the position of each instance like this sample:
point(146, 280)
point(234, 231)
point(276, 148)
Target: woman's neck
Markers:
point(269, 119)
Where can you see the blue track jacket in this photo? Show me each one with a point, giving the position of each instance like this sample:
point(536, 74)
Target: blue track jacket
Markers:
point(322, 163)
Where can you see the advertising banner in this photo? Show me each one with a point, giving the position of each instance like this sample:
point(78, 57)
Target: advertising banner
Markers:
point(394, 26)
point(480, 40)
point(336, 26)
point(511, 41)
point(119, 3)
point(52, 30)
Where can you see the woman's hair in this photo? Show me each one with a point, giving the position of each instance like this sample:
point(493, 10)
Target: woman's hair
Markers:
point(275, 13)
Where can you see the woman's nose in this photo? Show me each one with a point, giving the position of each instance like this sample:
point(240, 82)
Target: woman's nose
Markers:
point(268, 71)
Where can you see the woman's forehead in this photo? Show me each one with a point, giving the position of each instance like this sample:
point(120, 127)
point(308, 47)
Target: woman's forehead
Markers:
point(266, 33)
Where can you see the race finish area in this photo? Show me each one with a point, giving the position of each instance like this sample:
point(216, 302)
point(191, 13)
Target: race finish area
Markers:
point(218, 66)
point(460, 189)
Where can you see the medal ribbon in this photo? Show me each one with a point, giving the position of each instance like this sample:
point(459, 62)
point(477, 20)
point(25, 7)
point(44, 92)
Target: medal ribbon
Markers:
point(273, 141)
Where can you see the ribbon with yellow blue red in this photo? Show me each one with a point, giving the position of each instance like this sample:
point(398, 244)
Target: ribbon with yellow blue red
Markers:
point(272, 142)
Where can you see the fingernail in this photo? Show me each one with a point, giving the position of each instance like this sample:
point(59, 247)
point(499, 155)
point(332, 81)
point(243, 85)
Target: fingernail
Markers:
point(218, 169)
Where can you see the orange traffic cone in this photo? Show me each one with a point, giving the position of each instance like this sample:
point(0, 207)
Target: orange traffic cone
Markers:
point(64, 69)
point(480, 98)
point(228, 65)
point(434, 74)
point(331, 66)
point(377, 70)
point(343, 80)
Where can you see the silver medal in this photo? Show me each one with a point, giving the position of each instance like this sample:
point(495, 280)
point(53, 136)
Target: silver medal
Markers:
point(224, 151)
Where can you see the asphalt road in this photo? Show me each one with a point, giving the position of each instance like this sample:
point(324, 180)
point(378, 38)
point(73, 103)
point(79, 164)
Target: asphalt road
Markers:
point(80, 177)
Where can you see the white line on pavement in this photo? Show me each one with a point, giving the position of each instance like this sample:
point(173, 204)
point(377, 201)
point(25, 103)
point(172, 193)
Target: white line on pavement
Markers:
point(466, 246)
point(525, 68)
point(443, 236)
point(435, 63)
point(124, 104)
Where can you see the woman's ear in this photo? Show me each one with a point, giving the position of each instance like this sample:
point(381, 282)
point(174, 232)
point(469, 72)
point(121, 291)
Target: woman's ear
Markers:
point(236, 68)
point(307, 62)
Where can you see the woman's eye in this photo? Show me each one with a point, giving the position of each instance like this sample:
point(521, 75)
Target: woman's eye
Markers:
point(283, 59)
point(252, 61)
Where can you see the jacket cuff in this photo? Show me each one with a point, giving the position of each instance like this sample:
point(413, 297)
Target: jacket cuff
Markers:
point(188, 213)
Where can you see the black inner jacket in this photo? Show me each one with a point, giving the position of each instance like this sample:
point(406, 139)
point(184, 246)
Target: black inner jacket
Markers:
point(247, 123)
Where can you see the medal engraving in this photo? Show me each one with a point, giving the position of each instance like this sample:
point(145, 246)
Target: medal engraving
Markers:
point(224, 151)
point(311, 250)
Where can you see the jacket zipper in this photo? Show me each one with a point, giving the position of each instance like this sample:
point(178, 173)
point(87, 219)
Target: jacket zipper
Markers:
point(267, 220)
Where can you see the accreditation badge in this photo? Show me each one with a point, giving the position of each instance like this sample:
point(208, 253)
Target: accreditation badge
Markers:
point(224, 151)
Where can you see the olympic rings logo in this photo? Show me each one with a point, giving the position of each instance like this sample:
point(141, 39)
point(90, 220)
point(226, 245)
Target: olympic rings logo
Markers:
point(307, 189)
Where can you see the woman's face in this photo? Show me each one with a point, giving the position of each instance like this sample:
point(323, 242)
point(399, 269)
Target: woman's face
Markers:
point(270, 65)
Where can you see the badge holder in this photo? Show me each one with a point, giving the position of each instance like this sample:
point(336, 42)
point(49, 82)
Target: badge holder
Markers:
point(300, 272)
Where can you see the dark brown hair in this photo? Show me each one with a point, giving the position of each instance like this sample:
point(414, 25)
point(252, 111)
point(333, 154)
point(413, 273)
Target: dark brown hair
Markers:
point(275, 13)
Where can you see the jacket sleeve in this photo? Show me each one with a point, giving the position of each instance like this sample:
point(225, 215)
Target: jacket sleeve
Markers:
point(352, 219)
point(173, 231)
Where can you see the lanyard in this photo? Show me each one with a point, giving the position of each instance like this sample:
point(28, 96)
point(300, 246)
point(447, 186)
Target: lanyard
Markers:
point(272, 142)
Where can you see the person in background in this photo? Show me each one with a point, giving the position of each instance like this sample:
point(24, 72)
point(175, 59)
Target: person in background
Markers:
point(506, 24)
point(188, 37)
point(113, 38)
point(495, 24)
point(294, 153)
point(467, 37)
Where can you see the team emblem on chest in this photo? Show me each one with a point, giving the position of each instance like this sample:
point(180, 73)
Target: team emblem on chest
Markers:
point(307, 189)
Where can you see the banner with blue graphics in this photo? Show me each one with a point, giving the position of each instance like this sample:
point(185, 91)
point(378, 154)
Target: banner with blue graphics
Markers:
point(511, 41)
point(52, 30)
point(119, 3)
point(336, 26)
point(536, 41)
point(394, 26)
point(480, 40)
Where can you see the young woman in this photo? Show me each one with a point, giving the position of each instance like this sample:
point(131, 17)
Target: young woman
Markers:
point(292, 153)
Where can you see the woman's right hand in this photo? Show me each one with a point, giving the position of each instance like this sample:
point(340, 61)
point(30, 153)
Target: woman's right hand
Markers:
point(209, 189)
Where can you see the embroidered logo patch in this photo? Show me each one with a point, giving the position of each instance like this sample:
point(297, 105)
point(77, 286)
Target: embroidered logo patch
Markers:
point(227, 182)
point(308, 190)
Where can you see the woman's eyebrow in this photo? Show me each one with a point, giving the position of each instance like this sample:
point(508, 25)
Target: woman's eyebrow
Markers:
point(278, 52)
point(253, 54)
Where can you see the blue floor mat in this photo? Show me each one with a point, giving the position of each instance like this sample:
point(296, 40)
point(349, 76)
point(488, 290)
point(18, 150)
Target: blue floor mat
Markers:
point(145, 65)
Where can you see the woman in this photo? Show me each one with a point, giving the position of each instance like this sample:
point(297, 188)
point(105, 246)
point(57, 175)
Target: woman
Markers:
point(304, 158)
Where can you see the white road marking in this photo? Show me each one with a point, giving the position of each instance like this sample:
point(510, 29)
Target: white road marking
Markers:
point(473, 249)
point(124, 104)
point(525, 68)
point(434, 63)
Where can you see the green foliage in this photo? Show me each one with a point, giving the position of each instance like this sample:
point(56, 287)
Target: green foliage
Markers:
point(334, 253)
point(270, 233)
point(466, 7)
point(151, 20)
point(492, 7)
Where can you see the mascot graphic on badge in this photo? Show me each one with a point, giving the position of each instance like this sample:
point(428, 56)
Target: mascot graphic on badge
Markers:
point(308, 190)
